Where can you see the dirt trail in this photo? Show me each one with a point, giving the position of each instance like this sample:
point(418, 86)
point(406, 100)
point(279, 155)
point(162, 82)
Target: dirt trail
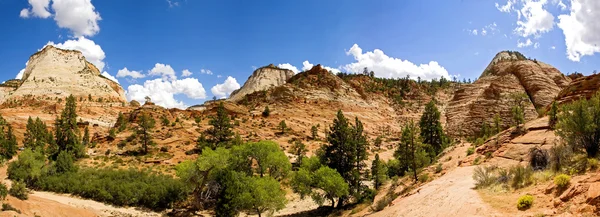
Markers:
point(449, 195)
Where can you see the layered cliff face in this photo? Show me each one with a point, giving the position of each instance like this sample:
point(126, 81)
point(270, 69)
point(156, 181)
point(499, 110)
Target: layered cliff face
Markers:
point(581, 87)
point(54, 72)
point(262, 79)
point(508, 73)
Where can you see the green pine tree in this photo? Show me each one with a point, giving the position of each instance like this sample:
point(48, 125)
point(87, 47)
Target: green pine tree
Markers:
point(221, 131)
point(431, 128)
point(66, 130)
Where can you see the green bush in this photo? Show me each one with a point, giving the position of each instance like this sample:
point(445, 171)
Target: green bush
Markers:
point(562, 181)
point(438, 168)
point(592, 163)
point(525, 202)
point(521, 176)
point(3, 191)
point(477, 161)
point(424, 177)
point(470, 151)
point(118, 187)
point(18, 190)
point(8, 207)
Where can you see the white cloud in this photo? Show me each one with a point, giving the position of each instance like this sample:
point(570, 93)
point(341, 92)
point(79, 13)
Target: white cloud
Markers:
point(20, 75)
point(162, 92)
point(79, 16)
point(288, 66)
point(172, 3)
point(507, 7)
point(534, 20)
point(553, 48)
point(223, 90)
point(536, 45)
point(474, 32)
point(388, 67)
point(39, 8)
point(186, 73)
point(219, 76)
point(92, 52)
point(527, 43)
point(163, 70)
point(307, 66)
point(483, 32)
point(126, 72)
point(581, 28)
point(206, 71)
point(112, 78)
point(488, 29)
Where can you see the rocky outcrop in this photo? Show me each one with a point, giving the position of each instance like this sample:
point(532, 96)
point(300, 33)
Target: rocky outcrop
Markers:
point(582, 87)
point(508, 73)
point(54, 72)
point(262, 79)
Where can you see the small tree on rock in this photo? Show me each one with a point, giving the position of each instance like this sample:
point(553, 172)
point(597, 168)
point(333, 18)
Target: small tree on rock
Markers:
point(145, 126)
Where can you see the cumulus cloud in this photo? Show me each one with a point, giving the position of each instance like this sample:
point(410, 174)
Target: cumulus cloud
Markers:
point(166, 71)
point(581, 29)
point(39, 8)
point(206, 71)
point(534, 20)
point(307, 65)
point(186, 73)
point(92, 52)
point(162, 92)
point(288, 66)
point(112, 78)
point(390, 67)
point(79, 16)
point(129, 73)
point(223, 90)
point(527, 43)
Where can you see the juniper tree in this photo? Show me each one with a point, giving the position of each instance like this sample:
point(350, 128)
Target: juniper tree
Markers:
point(36, 135)
point(145, 126)
point(86, 137)
point(345, 151)
point(314, 130)
point(8, 142)
point(378, 172)
point(299, 150)
point(66, 130)
point(553, 115)
point(221, 130)
point(411, 153)
point(431, 128)
point(282, 127)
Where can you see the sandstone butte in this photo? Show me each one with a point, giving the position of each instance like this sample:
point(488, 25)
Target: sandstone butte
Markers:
point(262, 79)
point(56, 73)
point(508, 73)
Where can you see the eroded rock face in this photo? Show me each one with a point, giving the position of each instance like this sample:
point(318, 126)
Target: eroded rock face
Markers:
point(262, 79)
point(508, 73)
point(581, 87)
point(54, 72)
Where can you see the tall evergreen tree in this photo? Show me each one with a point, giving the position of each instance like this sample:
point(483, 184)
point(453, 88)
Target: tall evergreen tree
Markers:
point(145, 126)
point(221, 131)
point(346, 151)
point(66, 130)
point(8, 142)
point(86, 137)
point(378, 172)
point(431, 128)
point(411, 152)
point(37, 135)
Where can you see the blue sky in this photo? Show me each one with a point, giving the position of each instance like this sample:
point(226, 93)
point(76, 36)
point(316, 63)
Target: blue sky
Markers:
point(427, 38)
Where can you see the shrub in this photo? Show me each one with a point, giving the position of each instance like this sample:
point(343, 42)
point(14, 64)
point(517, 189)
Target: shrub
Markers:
point(521, 176)
point(8, 207)
point(503, 175)
point(438, 168)
point(484, 177)
point(560, 157)
point(424, 177)
point(525, 202)
point(3, 191)
point(562, 181)
point(538, 158)
point(477, 161)
point(266, 112)
point(470, 151)
point(592, 163)
point(18, 190)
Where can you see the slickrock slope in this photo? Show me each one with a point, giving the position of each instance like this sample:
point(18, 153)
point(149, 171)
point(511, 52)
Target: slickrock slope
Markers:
point(509, 72)
point(262, 79)
point(54, 72)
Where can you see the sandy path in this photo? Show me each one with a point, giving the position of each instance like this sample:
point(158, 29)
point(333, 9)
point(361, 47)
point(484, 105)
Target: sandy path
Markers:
point(449, 195)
